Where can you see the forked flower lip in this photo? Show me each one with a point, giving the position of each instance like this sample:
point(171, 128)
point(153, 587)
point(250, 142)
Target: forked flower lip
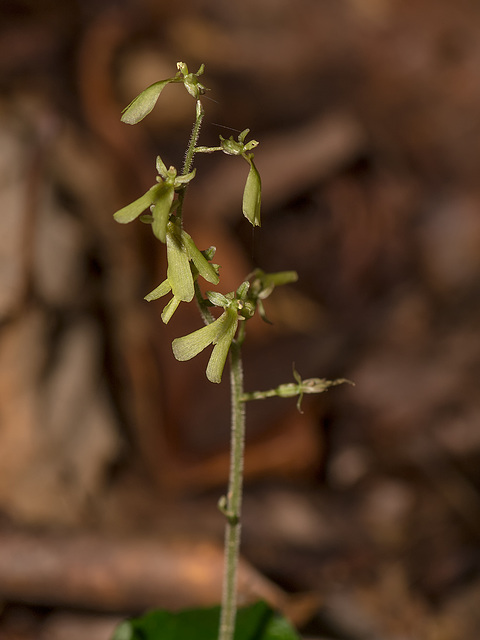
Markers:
point(220, 333)
point(185, 264)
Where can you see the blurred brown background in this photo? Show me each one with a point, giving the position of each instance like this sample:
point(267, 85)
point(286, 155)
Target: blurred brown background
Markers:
point(113, 455)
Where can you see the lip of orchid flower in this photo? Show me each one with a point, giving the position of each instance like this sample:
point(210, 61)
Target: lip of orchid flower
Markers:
point(159, 199)
point(181, 249)
point(137, 207)
point(220, 333)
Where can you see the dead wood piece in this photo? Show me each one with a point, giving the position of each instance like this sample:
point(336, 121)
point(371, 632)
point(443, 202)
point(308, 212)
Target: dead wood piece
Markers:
point(121, 576)
point(74, 626)
point(58, 433)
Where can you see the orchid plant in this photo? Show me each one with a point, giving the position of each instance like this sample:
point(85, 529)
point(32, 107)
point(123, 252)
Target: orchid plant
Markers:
point(162, 208)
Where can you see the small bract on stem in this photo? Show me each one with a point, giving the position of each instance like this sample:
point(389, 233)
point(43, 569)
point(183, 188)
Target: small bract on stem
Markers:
point(161, 207)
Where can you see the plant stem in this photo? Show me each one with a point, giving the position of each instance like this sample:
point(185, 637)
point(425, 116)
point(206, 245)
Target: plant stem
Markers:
point(190, 153)
point(192, 143)
point(203, 308)
point(233, 503)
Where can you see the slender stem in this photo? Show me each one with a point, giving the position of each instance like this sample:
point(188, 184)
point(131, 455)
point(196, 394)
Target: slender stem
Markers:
point(261, 395)
point(190, 153)
point(233, 503)
point(199, 113)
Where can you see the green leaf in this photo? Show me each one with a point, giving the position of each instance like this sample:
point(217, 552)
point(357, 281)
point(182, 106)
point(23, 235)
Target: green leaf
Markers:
point(218, 358)
point(178, 271)
point(134, 209)
point(204, 268)
point(144, 102)
point(125, 631)
point(159, 291)
point(161, 212)
point(256, 622)
point(252, 195)
point(279, 628)
point(192, 344)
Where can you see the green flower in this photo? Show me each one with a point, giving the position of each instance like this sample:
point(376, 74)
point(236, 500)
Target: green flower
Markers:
point(261, 286)
point(185, 264)
point(159, 199)
point(310, 385)
point(297, 388)
point(190, 80)
point(143, 104)
point(252, 194)
point(253, 186)
point(220, 333)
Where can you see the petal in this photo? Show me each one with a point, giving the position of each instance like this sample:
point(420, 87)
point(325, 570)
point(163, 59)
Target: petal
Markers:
point(252, 195)
point(180, 180)
point(143, 103)
point(170, 309)
point(161, 168)
point(192, 344)
point(159, 291)
point(218, 299)
point(161, 213)
point(218, 358)
point(204, 268)
point(134, 209)
point(279, 278)
point(178, 272)
point(243, 289)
